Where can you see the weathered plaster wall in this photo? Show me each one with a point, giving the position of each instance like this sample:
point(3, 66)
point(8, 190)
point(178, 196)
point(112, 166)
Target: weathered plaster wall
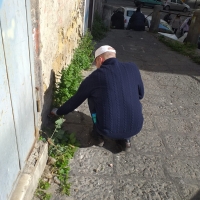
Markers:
point(60, 29)
point(57, 27)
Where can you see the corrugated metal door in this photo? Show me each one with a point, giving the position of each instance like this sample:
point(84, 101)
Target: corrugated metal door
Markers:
point(17, 125)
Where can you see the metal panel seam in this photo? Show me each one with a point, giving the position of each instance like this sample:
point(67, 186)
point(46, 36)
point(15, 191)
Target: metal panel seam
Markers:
point(29, 28)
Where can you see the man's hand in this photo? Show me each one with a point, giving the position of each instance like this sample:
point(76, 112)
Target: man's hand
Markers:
point(53, 112)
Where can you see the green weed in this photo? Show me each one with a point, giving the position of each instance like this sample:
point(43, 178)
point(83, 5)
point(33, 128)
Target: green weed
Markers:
point(70, 78)
point(41, 190)
point(62, 147)
point(98, 28)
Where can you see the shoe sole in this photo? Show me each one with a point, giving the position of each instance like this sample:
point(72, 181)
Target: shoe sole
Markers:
point(125, 147)
point(101, 144)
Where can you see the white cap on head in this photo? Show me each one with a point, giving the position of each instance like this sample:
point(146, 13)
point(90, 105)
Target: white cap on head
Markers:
point(104, 49)
point(101, 50)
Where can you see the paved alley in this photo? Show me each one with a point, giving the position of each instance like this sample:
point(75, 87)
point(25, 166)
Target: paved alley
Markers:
point(164, 162)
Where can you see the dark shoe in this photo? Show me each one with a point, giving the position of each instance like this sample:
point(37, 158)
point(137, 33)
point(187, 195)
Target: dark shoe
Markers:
point(125, 145)
point(99, 141)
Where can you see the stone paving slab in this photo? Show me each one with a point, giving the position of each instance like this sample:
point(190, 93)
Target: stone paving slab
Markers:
point(140, 189)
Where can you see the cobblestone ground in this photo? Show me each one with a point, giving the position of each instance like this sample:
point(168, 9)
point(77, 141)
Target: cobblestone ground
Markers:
point(164, 161)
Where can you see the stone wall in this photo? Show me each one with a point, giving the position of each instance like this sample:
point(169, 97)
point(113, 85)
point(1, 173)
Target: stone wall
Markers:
point(57, 28)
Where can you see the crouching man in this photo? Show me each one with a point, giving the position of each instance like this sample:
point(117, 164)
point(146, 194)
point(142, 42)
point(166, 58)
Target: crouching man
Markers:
point(113, 91)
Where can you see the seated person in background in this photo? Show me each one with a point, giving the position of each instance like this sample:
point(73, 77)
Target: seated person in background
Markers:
point(185, 25)
point(167, 18)
point(137, 21)
point(117, 19)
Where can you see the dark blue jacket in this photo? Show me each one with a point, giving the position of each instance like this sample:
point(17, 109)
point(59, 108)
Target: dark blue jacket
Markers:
point(118, 20)
point(116, 89)
point(137, 22)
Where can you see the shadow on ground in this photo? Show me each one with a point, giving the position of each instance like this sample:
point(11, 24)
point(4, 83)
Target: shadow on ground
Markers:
point(81, 125)
point(148, 53)
point(47, 101)
point(196, 196)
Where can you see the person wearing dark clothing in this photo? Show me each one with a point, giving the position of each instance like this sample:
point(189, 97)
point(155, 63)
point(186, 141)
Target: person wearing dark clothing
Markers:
point(114, 92)
point(167, 18)
point(176, 23)
point(137, 21)
point(117, 20)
